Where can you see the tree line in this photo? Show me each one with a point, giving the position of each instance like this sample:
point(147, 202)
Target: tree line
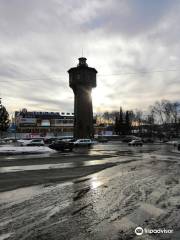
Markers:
point(4, 119)
point(161, 118)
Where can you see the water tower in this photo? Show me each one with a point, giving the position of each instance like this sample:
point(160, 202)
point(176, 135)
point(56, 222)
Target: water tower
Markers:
point(82, 79)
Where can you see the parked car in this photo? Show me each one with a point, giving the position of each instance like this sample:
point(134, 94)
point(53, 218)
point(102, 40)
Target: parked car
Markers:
point(8, 140)
point(49, 140)
point(2, 142)
point(32, 142)
point(174, 143)
point(178, 147)
point(130, 138)
point(148, 140)
point(69, 139)
point(83, 142)
point(135, 143)
point(61, 145)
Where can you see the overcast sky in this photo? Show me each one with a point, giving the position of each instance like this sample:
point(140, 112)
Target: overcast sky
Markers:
point(133, 44)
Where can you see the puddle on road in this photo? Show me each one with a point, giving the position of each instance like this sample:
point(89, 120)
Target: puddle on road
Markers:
point(96, 182)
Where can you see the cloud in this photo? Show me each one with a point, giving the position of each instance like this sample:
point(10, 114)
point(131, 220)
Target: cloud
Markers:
point(133, 44)
point(130, 17)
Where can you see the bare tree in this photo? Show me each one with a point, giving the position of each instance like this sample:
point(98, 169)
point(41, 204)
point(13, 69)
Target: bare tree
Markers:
point(157, 110)
point(166, 114)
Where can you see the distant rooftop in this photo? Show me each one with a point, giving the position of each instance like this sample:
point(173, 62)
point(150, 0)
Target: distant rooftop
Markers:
point(40, 114)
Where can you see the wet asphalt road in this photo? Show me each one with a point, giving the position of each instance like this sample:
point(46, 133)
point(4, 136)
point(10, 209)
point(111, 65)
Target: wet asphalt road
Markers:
point(115, 189)
point(26, 170)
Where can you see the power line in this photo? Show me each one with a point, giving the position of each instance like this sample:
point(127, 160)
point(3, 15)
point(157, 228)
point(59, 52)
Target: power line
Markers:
point(30, 79)
point(99, 75)
point(141, 72)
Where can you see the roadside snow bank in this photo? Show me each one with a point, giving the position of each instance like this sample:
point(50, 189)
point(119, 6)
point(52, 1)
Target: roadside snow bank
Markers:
point(4, 150)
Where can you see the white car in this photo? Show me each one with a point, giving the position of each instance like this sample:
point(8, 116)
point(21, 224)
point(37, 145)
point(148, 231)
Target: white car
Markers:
point(83, 142)
point(174, 143)
point(32, 142)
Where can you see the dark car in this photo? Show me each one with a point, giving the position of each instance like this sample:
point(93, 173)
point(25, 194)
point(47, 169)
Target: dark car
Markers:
point(135, 143)
point(178, 146)
point(148, 140)
point(129, 138)
point(62, 145)
point(50, 140)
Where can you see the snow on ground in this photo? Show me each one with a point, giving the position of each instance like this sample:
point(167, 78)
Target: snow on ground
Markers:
point(8, 149)
point(143, 191)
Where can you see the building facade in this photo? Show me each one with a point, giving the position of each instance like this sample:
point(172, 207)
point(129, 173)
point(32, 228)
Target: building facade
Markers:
point(36, 123)
point(43, 123)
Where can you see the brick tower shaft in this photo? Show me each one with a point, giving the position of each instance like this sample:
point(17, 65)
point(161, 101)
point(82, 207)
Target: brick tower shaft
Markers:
point(82, 79)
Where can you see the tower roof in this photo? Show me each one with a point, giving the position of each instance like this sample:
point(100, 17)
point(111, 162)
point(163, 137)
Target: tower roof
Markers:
point(81, 65)
point(82, 61)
